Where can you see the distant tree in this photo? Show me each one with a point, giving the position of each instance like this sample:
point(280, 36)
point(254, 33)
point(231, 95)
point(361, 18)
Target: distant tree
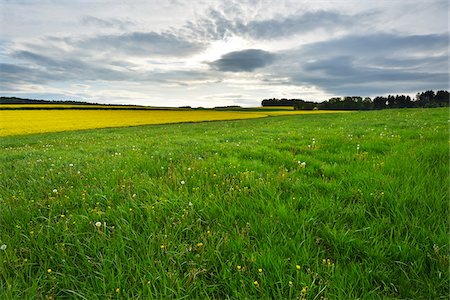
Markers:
point(304, 105)
point(367, 103)
point(380, 102)
point(424, 99)
point(442, 98)
point(391, 101)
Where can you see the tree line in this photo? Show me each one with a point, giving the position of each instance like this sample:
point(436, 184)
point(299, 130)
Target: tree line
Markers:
point(16, 100)
point(424, 99)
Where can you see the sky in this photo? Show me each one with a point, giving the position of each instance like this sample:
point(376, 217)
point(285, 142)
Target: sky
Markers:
point(219, 53)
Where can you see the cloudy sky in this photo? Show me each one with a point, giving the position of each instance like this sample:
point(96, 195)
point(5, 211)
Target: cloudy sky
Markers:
point(212, 53)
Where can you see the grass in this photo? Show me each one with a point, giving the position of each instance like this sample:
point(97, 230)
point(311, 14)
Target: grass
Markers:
point(279, 207)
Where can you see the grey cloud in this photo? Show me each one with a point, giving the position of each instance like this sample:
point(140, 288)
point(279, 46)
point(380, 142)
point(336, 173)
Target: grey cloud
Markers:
point(12, 73)
point(381, 43)
point(106, 23)
point(373, 64)
point(181, 78)
point(67, 68)
point(217, 25)
point(243, 61)
point(14, 77)
point(290, 25)
point(142, 44)
point(40, 69)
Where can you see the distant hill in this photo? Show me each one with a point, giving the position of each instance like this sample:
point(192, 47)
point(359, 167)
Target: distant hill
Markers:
point(15, 100)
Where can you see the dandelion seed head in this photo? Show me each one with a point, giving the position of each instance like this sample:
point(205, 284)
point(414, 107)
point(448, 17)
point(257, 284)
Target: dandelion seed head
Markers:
point(3, 247)
point(98, 224)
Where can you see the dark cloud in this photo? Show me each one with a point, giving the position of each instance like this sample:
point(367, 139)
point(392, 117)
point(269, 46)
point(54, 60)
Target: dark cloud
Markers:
point(43, 69)
point(14, 75)
point(371, 64)
point(382, 43)
point(10, 73)
point(243, 61)
point(68, 59)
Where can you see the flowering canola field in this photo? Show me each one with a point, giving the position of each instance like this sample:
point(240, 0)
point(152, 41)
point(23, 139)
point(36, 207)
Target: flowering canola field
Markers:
point(20, 122)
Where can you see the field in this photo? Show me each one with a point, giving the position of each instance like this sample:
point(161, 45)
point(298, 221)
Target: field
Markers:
point(18, 122)
point(322, 206)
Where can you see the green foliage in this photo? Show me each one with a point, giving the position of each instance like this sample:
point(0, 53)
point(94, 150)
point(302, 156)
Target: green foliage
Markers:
point(423, 100)
point(335, 206)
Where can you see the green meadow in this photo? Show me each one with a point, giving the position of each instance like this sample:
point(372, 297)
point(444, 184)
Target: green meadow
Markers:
point(335, 206)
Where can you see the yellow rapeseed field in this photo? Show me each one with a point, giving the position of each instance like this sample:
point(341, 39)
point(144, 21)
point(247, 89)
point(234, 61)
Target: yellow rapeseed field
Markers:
point(19, 122)
point(74, 106)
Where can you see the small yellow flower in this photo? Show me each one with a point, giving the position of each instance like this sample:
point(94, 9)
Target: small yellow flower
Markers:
point(239, 268)
point(298, 267)
point(304, 290)
point(260, 270)
point(49, 271)
point(290, 283)
point(199, 245)
point(117, 290)
point(255, 283)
